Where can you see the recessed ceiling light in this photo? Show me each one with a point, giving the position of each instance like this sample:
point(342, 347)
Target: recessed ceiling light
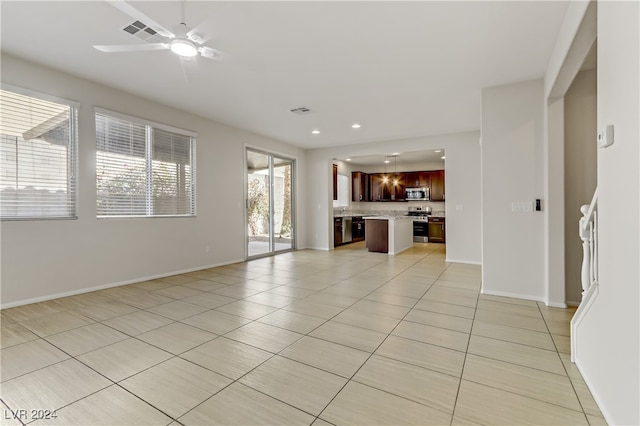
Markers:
point(355, 126)
point(395, 154)
point(442, 157)
point(387, 161)
point(348, 159)
point(438, 150)
point(315, 131)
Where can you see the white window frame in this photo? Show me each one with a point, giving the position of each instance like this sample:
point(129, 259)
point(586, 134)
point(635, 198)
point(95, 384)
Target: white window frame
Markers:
point(149, 127)
point(72, 154)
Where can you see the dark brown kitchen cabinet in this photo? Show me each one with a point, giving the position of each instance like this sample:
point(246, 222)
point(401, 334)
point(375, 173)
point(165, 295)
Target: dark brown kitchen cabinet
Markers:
point(374, 186)
point(358, 229)
point(377, 187)
point(437, 230)
point(424, 179)
point(337, 231)
point(360, 187)
point(412, 180)
point(335, 181)
point(416, 179)
point(436, 185)
point(377, 235)
point(397, 186)
point(387, 187)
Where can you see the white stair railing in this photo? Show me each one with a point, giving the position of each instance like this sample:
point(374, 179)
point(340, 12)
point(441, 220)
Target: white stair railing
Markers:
point(588, 229)
point(589, 236)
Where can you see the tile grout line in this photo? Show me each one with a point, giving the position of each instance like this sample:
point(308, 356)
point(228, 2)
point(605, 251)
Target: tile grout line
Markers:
point(381, 343)
point(258, 365)
point(584, 413)
point(464, 361)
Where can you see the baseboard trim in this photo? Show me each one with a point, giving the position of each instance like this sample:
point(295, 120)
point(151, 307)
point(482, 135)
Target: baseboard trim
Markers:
point(588, 297)
point(596, 396)
point(110, 285)
point(512, 295)
point(320, 248)
point(468, 262)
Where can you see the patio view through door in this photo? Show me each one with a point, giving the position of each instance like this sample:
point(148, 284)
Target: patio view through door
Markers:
point(269, 212)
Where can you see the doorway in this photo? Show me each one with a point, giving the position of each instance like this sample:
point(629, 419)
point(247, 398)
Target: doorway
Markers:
point(269, 207)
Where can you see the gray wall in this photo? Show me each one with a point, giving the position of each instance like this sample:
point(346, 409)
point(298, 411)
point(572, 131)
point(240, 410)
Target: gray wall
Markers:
point(512, 171)
point(580, 171)
point(608, 338)
point(48, 258)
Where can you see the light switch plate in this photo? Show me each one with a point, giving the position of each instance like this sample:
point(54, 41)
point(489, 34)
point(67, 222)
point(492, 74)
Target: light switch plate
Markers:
point(521, 207)
point(605, 137)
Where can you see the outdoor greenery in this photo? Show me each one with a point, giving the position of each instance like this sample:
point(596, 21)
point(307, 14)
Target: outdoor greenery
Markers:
point(258, 206)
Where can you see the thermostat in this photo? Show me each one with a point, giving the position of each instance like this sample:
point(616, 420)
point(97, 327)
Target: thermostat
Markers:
point(605, 137)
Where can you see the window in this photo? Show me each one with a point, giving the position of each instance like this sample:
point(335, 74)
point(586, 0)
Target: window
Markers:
point(143, 168)
point(38, 155)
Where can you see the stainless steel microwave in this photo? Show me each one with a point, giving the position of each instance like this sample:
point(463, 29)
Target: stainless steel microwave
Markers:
point(417, 194)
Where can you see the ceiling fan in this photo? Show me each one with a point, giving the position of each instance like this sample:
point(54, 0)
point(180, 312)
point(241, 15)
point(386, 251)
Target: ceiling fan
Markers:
point(181, 40)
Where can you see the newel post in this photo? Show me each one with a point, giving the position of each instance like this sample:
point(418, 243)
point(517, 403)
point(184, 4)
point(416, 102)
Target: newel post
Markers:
point(585, 236)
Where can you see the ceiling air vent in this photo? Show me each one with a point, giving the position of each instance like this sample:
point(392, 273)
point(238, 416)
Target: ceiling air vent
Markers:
point(300, 110)
point(143, 32)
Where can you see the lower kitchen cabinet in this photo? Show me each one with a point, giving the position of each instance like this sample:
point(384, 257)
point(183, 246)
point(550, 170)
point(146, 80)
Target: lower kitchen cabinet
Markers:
point(347, 229)
point(437, 230)
point(357, 225)
point(337, 231)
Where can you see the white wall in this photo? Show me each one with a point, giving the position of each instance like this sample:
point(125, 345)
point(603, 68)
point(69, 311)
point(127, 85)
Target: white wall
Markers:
point(512, 171)
point(462, 186)
point(609, 337)
point(576, 36)
point(42, 259)
point(580, 171)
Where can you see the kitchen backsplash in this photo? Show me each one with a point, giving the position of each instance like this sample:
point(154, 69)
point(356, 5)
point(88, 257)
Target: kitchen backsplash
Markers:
point(388, 207)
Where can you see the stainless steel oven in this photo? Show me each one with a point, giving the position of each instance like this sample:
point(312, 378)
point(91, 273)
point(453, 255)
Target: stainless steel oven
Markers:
point(420, 217)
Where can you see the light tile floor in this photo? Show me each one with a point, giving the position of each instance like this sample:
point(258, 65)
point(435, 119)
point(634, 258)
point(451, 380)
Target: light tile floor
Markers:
point(306, 337)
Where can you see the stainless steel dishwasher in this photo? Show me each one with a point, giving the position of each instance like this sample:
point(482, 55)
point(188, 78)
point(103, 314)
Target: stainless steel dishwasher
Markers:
point(346, 229)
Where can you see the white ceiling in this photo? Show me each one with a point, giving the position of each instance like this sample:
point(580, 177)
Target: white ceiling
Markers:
point(398, 158)
point(400, 69)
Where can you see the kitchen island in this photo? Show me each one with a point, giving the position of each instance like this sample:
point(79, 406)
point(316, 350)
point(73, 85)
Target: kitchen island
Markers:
point(388, 234)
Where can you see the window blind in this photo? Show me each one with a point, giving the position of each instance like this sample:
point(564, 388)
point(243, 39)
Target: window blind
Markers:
point(143, 170)
point(38, 156)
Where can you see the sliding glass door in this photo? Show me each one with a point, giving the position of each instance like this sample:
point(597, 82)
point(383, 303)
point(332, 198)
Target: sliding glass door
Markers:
point(269, 207)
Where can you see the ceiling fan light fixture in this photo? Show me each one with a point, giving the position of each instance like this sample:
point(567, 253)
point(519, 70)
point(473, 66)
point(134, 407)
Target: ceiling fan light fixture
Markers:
point(184, 47)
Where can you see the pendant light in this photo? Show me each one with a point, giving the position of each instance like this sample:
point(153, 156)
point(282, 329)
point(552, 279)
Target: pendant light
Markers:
point(385, 179)
point(395, 170)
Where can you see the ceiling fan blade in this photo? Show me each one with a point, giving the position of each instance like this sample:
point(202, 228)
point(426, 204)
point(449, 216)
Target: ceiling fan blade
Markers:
point(125, 7)
point(209, 53)
point(186, 63)
point(131, 47)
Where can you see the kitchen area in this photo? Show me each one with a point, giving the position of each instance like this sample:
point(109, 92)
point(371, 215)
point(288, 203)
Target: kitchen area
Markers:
point(402, 196)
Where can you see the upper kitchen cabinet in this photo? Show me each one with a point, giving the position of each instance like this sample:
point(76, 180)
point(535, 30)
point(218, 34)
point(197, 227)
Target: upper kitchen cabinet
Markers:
point(335, 181)
point(377, 187)
point(387, 187)
point(436, 185)
point(398, 185)
point(416, 179)
point(411, 179)
point(360, 187)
